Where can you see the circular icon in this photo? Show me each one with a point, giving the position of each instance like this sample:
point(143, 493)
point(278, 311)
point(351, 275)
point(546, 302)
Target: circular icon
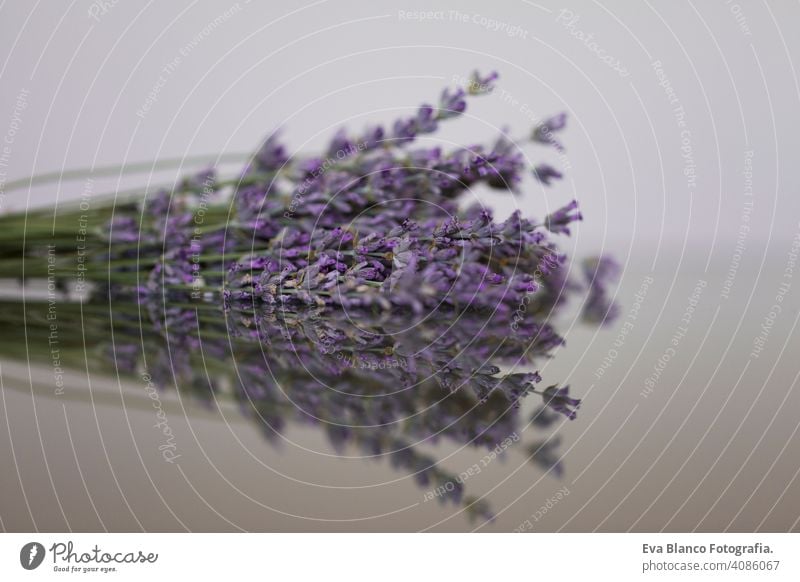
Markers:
point(31, 555)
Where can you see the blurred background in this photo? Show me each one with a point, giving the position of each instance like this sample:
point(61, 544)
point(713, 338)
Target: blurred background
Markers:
point(683, 117)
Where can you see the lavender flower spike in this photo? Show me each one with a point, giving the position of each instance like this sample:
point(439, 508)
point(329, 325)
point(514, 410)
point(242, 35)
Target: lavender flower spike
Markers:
point(545, 173)
point(481, 85)
point(558, 221)
point(543, 132)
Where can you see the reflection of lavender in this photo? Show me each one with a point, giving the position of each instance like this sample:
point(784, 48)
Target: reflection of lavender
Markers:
point(599, 272)
point(351, 290)
point(559, 400)
point(545, 455)
point(448, 386)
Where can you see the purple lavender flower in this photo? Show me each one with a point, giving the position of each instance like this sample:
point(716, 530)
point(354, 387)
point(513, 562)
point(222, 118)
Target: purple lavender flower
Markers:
point(451, 104)
point(506, 164)
point(544, 131)
point(545, 173)
point(480, 85)
point(558, 221)
point(123, 229)
point(158, 206)
point(426, 120)
point(341, 146)
point(272, 155)
point(373, 137)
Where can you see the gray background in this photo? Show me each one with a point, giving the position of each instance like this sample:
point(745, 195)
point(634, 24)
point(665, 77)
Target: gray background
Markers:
point(713, 448)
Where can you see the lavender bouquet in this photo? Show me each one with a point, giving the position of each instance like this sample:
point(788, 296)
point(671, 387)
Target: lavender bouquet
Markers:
point(353, 289)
